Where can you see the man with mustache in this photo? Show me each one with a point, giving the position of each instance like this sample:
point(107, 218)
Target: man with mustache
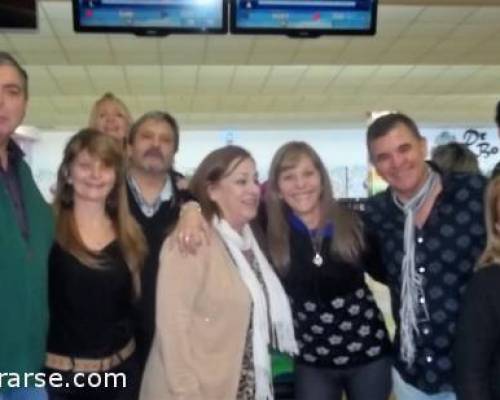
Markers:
point(154, 199)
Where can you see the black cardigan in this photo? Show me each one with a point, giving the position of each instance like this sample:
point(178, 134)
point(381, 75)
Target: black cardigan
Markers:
point(477, 346)
point(155, 229)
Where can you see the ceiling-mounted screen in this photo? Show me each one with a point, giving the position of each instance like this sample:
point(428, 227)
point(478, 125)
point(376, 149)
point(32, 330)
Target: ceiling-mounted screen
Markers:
point(150, 17)
point(18, 14)
point(304, 17)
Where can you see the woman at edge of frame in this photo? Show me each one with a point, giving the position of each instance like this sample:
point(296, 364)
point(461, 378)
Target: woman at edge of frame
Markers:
point(477, 346)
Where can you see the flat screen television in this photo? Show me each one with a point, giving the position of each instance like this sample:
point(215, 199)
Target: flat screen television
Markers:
point(304, 18)
point(150, 17)
point(18, 14)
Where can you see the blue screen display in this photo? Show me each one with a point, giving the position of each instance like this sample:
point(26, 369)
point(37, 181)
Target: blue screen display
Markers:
point(328, 16)
point(170, 15)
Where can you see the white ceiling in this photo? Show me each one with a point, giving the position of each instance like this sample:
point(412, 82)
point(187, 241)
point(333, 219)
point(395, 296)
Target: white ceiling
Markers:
point(441, 64)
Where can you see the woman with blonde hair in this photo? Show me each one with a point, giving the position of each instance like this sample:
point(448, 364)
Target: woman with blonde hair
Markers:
point(219, 310)
point(111, 116)
point(477, 346)
point(93, 271)
point(320, 251)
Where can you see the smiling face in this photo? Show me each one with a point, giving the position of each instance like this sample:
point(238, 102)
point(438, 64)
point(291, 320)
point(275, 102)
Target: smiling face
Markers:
point(237, 194)
point(112, 119)
point(153, 147)
point(300, 188)
point(13, 102)
point(399, 158)
point(91, 178)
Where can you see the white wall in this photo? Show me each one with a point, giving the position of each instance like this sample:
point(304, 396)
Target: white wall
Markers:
point(342, 150)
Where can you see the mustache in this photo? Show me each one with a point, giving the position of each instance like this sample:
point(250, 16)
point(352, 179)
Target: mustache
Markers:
point(154, 152)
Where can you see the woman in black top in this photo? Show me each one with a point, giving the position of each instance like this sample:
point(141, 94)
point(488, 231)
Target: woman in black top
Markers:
point(320, 252)
point(93, 274)
point(477, 346)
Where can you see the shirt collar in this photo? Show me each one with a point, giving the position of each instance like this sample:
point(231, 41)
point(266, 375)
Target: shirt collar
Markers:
point(167, 191)
point(299, 226)
point(14, 153)
point(148, 209)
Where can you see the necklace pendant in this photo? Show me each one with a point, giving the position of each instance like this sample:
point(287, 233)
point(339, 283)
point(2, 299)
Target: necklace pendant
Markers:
point(317, 260)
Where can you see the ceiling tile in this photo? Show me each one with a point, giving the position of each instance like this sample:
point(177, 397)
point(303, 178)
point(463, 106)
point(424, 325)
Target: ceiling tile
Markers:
point(32, 42)
point(396, 14)
point(108, 78)
point(71, 80)
point(447, 14)
point(436, 62)
point(484, 15)
point(144, 79)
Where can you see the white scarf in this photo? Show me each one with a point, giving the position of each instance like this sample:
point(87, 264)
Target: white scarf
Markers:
point(412, 282)
point(278, 308)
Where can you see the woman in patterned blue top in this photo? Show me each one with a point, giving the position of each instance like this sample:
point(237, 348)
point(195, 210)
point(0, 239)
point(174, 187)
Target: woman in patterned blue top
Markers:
point(321, 252)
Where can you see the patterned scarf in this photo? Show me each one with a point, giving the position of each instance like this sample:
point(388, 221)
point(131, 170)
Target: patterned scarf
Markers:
point(411, 281)
point(279, 330)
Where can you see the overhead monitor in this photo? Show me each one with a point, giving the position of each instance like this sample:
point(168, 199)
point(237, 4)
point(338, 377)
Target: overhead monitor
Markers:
point(18, 14)
point(304, 18)
point(150, 17)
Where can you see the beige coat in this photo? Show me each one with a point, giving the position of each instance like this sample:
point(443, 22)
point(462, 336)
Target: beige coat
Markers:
point(202, 317)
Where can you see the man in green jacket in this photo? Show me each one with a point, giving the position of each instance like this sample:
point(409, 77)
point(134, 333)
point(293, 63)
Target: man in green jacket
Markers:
point(26, 233)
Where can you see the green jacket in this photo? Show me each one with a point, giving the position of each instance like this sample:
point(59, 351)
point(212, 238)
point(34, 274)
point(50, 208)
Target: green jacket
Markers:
point(23, 279)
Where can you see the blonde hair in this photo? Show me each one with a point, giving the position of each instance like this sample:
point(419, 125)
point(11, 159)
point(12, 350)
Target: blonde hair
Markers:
point(108, 96)
point(129, 235)
point(348, 241)
point(491, 253)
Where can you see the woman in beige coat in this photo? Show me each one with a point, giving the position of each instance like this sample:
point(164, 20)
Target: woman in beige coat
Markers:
point(219, 310)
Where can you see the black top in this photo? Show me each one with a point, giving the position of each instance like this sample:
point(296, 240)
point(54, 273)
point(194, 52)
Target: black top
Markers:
point(446, 250)
point(155, 229)
point(477, 348)
point(90, 307)
point(337, 323)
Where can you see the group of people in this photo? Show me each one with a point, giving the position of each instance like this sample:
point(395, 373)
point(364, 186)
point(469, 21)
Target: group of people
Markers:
point(103, 283)
point(78, 281)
